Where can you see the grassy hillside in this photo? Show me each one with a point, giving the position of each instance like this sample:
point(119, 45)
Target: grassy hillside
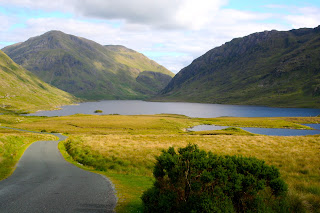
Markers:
point(85, 68)
point(270, 68)
point(22, 91)
point(131, 58)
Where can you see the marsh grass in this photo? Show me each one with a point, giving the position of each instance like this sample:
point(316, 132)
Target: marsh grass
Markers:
point(109, 124)
point(263, 122)
point(143, 124)
point(151, 122)
point(12, 146)
point(297, 158)
point(227, 131)
point(124, 148)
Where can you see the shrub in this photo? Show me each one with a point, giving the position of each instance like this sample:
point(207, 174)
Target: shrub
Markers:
point(193, 180)
point(98, 111)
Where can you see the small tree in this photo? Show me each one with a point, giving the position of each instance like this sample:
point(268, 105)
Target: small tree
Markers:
point(193, 180)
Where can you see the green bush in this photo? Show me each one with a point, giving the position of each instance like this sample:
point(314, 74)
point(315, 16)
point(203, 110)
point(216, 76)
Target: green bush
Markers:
point(193, 180)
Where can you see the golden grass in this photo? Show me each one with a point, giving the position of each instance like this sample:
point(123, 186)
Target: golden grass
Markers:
point(109, 124)
point(304, 120)
point(298, 158)
point(143, 124)
point(263, 122)
point(130, 144)
point(291, 154)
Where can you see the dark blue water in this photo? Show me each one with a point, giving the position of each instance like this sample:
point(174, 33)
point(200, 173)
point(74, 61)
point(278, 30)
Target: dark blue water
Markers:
point(281, 132)
point(314, 126)
point(265, 131)
point(132, 107)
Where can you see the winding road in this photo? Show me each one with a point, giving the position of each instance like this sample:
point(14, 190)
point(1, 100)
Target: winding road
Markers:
point(44, 182)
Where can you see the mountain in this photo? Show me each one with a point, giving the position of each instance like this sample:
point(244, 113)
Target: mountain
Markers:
point(87, 69)
point(270, 68)
point(22, 91)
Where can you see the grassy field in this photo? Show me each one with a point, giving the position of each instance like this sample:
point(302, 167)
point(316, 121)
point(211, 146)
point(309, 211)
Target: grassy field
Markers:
point(124, 149)
point(297, 158)
point(143, 124)
point(12, 145)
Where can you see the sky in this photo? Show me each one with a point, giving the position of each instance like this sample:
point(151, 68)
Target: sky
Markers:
point(171, 32)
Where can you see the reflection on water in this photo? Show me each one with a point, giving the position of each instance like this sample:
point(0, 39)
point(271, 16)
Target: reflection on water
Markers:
point(133, 107)
point(265, 131)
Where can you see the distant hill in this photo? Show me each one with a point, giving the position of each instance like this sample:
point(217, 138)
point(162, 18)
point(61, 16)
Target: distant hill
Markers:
point(87, 69)
point(268, 68)
point(21, 91)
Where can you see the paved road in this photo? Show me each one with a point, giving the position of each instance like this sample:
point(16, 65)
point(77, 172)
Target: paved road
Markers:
point(44, 182)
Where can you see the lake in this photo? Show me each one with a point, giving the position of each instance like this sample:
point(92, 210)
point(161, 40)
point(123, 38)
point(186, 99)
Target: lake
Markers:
point(265, 131)
point(135, 107)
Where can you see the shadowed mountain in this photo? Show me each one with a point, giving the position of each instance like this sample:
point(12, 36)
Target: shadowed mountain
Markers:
point(269, 68)
point(22, 91)
point(85, 68)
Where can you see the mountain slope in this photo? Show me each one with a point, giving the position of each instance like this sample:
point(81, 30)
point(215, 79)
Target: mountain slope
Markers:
point(85, 68)
point(21, 91)
point(269, 68)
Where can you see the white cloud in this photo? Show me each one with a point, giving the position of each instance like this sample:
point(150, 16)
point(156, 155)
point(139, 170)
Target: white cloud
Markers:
point(134, 11)
point(56, 5)
point(34, 27)
point(6, 22)
point(185, 29)
point(305, 17)
point(190, 14)
point(196, 14)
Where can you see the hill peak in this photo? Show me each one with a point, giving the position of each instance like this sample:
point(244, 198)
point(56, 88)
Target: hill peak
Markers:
point(86, 68)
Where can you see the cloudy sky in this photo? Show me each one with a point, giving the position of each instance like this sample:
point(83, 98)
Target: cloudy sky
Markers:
point(171, 32)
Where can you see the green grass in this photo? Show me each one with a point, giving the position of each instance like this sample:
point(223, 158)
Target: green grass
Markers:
point(144, 124)
point(267, 122)
point(227, 131)
point(129, 188)
point(108, 124)
point(124, 148)
point(134, 156)
point(12, 146)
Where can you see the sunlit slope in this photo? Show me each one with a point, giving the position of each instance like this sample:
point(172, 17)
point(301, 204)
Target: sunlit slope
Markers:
point(274, 68)
point(85, 68)
point(22, 91)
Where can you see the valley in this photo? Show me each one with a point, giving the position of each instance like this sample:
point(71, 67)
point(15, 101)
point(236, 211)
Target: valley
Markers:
point(121, 135)
point(124, 148)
